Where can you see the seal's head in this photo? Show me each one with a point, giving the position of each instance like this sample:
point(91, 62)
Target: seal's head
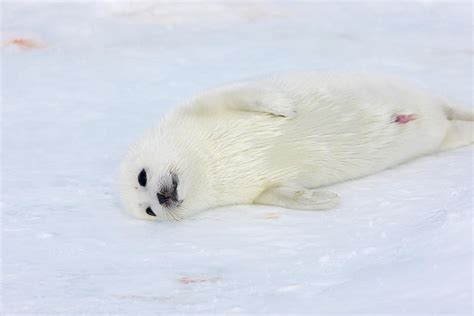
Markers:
point(151, 181)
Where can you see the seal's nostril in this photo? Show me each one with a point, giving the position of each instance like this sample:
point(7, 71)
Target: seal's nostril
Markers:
point(150, 212)
point(161, 198)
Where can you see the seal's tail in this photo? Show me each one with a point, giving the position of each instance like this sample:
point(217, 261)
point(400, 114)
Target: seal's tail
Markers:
point(454, 112)
point(461, 127)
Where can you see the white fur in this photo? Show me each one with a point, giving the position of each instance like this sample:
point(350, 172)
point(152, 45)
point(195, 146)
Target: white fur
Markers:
point(236, 144)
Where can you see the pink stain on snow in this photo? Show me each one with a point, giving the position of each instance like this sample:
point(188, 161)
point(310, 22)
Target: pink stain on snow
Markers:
point(403, 119)
point(191, 280)
point(25, 43)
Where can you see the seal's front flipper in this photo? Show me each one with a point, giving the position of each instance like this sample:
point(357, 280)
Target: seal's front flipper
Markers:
point(252, 97)
point(298, 198)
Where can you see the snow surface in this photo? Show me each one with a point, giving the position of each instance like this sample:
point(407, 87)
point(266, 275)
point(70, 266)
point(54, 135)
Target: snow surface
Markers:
point(102, 72)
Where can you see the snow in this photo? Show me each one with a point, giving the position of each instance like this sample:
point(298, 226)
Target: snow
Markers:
point(97, 74)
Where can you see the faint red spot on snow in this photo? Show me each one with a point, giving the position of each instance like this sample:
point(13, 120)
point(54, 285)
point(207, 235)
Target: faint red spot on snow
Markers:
point(191, 280)
point(272, 216)
point(403, 119)
point(25, 43)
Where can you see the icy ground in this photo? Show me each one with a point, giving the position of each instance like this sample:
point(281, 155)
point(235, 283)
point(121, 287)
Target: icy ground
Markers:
point(81, 81)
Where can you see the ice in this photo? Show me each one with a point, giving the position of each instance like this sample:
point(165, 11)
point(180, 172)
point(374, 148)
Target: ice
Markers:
point(81, 81)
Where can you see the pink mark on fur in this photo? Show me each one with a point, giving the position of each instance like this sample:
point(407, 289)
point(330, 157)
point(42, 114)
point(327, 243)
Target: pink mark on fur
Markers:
point(403, 119)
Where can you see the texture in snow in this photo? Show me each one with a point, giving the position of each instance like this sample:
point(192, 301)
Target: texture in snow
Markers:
point(81, 81)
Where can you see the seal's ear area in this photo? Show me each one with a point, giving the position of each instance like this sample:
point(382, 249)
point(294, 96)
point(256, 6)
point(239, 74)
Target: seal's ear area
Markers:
point(253, 97)
point(298, 198)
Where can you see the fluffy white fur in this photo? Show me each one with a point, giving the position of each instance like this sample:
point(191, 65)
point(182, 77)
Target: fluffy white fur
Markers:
point(273, 140)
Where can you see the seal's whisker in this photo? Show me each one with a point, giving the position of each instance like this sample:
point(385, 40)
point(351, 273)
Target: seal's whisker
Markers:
point(178, 214)
point(169, 215)
point(168, 218)
point(175, 216)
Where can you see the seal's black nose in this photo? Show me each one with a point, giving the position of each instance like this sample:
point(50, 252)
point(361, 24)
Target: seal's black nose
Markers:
point(162, 199)
point(167, 195)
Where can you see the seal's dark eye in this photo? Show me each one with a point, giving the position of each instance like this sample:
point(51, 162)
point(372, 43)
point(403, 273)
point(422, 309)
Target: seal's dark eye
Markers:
point(142, 178)
point(150, 212)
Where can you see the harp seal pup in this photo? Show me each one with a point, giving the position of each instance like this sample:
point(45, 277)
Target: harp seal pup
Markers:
point(276, 139)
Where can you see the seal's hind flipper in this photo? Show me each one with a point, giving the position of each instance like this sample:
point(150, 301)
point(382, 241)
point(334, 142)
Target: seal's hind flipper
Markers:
point(457, 112)
point(461, 126)
point(459, 133)
point(298, 198)
point(253, 97)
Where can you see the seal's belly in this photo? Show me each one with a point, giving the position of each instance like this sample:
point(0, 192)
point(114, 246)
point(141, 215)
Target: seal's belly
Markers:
point(343, 138)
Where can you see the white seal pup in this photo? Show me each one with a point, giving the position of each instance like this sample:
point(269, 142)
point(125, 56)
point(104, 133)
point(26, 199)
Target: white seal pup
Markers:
point(274, 140)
